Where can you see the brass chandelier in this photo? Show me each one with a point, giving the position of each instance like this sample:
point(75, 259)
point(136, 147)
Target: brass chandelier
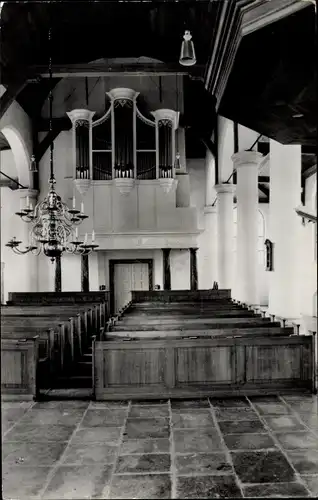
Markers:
point(54, 224)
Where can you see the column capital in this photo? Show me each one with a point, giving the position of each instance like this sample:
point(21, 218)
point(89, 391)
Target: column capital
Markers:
point(210, 209)
point(247, 159)
point(224, 188)
point(80, 114)
point(31, 193)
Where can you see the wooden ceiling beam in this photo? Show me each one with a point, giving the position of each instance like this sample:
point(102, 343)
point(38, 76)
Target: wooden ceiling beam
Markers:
point(309, 171)
point(264, 190)
point(10, 95)
point(111, 69)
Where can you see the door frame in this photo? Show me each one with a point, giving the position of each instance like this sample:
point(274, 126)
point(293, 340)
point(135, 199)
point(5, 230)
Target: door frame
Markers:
point(113, 262)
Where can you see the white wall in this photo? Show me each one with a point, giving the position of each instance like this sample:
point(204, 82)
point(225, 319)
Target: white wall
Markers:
point(197, 173)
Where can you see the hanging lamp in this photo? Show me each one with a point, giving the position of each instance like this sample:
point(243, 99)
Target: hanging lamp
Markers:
point(53, 229)
point(187, 54)
point(177, 163)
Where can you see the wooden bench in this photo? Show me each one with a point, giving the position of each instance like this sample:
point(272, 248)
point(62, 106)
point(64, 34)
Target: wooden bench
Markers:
point(216, 332)
point(181, 368)
point(196, 325)
point(54, 298)
point(180, 296)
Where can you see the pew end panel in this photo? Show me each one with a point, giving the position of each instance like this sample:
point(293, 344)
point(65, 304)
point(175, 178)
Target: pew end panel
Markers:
point(20, 369)
point(182, 368)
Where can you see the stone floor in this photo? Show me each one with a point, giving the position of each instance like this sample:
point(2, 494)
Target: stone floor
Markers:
point(208, 448)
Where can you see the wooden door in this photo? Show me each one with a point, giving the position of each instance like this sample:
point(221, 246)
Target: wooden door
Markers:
point(128, 277)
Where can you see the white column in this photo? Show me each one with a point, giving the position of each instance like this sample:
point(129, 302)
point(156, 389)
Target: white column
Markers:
point(210, 216)
point(225, 234)
point(210, 192)
point(284, 229)
point(29, 261)
point(246, 164)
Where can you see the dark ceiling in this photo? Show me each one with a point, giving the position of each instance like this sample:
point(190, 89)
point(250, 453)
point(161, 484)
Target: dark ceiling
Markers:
point(272, 88)
point(272, 81)
point(85, 31)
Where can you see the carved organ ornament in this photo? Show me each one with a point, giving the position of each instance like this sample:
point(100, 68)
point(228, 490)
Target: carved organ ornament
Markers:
point(123, 143)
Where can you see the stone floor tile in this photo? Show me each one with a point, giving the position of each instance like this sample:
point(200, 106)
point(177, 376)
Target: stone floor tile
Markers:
point(90, 454)
point(104, 418)
point(249, 441)
point(305, 462)
point(207, 487)
point(143, 463)
point(147, 428)
point(202, 463)
point(235, 414)
point(108, 435)
point(312, 484)
point(240, 402)
point(275, 490)
point(298, 397)
point(241, 426)
point(310, 420)
point(141, 446)
point(60, 404)
point(284, 423)
point(273, 409)
point(191, 420)
point(32, 454)
point(264, 399)
point(78, 482)
point(39, 433)
point(297, 440)
point(12, 414)
point(189, 403)
point(99, 405)
point(5, 426)
point(262, 467)
point(142, 486)
point(66, 417)
point(149, 411)
point(23, 483)
point(305, 406)
point(149, 402)
point(5, 405)
point(197, 440)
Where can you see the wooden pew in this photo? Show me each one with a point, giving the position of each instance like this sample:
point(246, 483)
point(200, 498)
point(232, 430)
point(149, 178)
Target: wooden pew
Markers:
point(180, 296)
point(57, 298)
point(182, 368)
point(196, 325)
point(213, 333)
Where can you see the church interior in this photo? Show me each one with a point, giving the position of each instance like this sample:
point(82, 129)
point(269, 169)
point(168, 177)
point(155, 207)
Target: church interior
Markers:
point(158, 175)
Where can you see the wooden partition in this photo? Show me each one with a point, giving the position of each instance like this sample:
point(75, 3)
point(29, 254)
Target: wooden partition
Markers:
point(180, 295)
point(183, 368)
point(19, 368)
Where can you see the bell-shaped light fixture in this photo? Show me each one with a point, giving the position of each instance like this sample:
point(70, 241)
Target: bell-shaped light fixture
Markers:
point(33, 165)
point(177, 163)
point(187, 55)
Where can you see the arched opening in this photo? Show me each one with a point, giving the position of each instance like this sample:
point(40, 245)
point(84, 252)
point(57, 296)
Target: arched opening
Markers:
point(14, 163)
point(20, 154)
